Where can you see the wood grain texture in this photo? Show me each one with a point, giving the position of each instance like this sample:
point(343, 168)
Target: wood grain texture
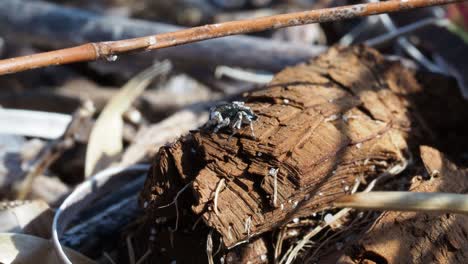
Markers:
point(343, 116)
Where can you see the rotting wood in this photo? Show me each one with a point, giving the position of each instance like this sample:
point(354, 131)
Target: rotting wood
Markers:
point(343, 116)
point(412, 237)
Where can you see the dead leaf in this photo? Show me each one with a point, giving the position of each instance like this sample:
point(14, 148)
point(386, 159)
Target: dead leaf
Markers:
point(33, 218)
point(19, 248)
point(148, 140)
point(105, 142)
point(33, 123)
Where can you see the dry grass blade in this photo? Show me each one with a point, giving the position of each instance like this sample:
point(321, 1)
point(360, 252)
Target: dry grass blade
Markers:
point(131, 251)
point(406, 201)
point(144, 257)
point(394, 170)
point(209, 247)
point(293, 252)
point(242, 75)
point(105, 141)
point(109, 258)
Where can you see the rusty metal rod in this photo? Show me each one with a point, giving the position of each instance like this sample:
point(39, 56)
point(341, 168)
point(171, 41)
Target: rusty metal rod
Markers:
point(94, 51)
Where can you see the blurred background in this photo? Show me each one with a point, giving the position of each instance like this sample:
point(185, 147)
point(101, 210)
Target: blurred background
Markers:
point(54, 133)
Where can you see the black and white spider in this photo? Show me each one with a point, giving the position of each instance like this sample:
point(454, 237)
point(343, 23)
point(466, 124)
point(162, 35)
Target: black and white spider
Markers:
point(232, 115)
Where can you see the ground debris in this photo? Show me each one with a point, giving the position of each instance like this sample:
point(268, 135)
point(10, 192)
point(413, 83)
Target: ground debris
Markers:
point(412, 237)
point(315, 158)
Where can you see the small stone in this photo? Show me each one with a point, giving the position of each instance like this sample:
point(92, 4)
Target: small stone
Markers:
point(295, 204)
point(328, 218)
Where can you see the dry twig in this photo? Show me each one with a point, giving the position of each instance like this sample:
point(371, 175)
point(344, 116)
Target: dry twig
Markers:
point(144, 257)
point(131, 252)
point(109, 50)
point(55, 149)
point(38, 25)
point(406, 201)
point(218, 190)
point(176, 205)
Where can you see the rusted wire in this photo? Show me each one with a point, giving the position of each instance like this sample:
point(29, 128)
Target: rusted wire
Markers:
point(109, 50)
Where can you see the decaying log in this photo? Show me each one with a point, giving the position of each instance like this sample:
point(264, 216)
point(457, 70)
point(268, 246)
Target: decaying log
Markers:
point(410, 237)
point(322, 125)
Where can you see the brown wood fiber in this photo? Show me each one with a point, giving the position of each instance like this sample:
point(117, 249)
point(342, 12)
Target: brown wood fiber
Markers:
point(323, 124)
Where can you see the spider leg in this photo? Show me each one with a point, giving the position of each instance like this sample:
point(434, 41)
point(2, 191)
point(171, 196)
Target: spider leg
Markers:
point(251, 128)
point(223, 123)
point(249, 120)
point(237, 124)
point(215, 118)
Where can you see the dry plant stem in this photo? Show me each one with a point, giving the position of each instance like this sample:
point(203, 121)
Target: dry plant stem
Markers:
point(209, 247)
point(131, 252)
point(406, 201)
point(218, 189)
point(94, 51)
point(109, 258)
point(177, 205)
point(144, 257)
point(36, 22)
point(292, 254)
point(53, 150)
point(404, 30)
point(279, 244)
point(404, 43)
point(242, 75)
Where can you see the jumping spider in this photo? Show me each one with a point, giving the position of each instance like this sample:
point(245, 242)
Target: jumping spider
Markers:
point(231, 115)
